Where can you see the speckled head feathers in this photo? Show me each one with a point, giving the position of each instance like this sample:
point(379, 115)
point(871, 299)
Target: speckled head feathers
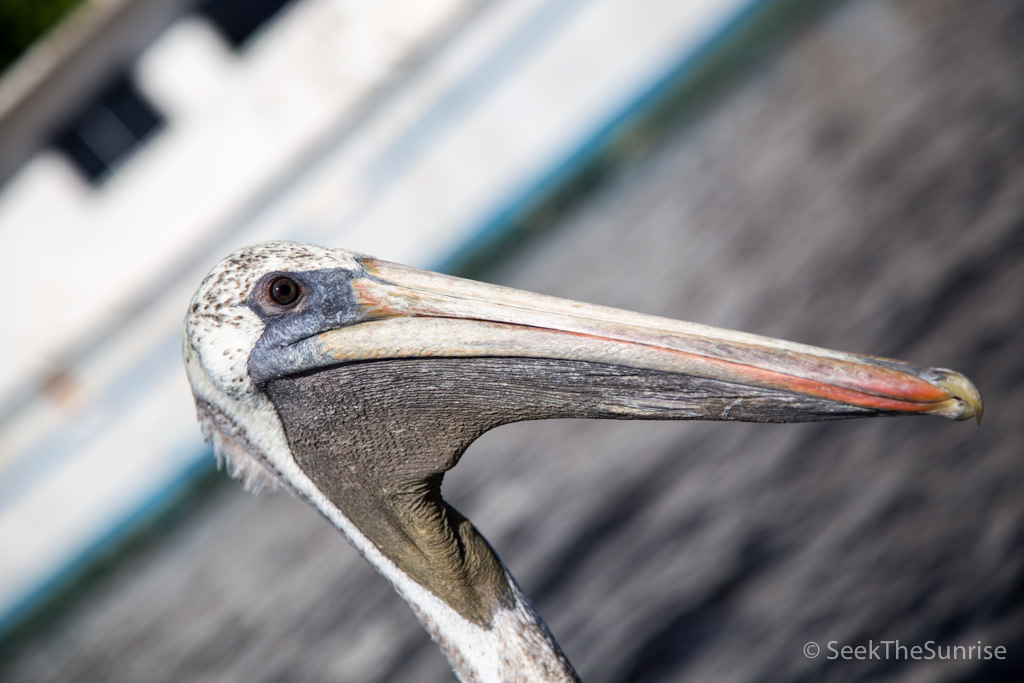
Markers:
point(220, 330)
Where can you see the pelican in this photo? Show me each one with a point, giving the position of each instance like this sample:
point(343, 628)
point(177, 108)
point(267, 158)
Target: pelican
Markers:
point(356, 383)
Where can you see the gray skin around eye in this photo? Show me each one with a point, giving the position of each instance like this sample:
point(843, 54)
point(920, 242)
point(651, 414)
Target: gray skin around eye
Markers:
point(326, 302)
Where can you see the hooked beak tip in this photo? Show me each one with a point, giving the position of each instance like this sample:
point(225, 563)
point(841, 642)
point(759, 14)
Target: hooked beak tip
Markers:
point(963, 394)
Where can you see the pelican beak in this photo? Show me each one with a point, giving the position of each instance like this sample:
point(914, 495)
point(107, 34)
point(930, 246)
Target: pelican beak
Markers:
point(407, 312)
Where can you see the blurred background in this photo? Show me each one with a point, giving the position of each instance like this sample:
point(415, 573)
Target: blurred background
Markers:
point(847, 174)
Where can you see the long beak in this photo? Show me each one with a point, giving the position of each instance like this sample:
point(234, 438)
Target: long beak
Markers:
point(408, 313)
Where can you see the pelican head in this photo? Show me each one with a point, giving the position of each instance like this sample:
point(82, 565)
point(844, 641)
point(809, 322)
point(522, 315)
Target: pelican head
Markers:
point(357, 383)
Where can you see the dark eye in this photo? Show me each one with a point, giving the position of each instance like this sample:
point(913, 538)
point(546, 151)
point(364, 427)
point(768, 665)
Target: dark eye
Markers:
point(283, 291)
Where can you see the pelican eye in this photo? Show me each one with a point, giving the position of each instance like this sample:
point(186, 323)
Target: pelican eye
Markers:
point(283, 291)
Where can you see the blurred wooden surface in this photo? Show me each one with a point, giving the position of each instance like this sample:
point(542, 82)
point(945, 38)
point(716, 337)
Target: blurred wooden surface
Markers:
point(861, 190)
